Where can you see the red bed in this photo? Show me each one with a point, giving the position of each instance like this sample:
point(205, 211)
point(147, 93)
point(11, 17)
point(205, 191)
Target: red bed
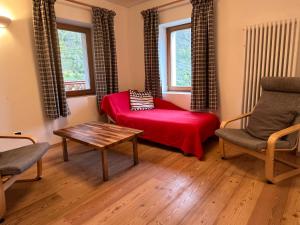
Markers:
point(167, 124)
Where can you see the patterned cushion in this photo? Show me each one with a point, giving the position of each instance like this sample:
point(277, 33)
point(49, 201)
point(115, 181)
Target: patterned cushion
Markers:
point(140, 100)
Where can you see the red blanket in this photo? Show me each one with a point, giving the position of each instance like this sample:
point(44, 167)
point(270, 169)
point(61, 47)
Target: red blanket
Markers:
point(167, 124)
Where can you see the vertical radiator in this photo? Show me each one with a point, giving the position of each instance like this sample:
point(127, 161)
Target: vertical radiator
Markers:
point(271, 50)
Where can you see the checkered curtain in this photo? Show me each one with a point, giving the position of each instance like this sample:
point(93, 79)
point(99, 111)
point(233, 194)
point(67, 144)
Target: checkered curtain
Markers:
point(152, 77)
point(106, 74)
point(48, 57)
point(204, 79)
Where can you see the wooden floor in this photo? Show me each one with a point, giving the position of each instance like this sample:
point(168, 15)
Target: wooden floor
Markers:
point(165, 188)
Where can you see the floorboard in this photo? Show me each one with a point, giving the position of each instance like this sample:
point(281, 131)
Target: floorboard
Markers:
point(166, 188)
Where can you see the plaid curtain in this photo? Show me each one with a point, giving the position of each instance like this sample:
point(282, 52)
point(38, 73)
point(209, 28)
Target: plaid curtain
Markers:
point(204, 79)
point(48, 57)
point(152, 77)
point(106, 73)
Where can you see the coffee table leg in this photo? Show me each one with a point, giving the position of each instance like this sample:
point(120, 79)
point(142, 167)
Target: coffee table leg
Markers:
point(135, 151)
point(104, 165)
point(65, 149)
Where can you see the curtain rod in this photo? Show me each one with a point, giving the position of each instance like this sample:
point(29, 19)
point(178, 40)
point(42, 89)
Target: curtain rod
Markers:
point(168, 4)
point(157, 7)
point(80, 3)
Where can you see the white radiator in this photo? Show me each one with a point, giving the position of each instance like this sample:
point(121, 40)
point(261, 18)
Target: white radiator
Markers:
point(271, 50)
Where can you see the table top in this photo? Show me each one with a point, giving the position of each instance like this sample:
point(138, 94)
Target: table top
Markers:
point(98, 134)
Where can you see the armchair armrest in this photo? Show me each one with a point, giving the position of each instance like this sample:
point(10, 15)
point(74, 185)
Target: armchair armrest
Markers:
point(9, 136)
point(226, 122)
point(279, 134)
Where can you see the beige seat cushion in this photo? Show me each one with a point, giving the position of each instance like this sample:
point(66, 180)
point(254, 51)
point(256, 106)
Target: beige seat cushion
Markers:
point(242, 138)
point(18, 160)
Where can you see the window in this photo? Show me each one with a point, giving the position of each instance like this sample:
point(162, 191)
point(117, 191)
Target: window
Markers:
point(179, 58)
point(76, 59)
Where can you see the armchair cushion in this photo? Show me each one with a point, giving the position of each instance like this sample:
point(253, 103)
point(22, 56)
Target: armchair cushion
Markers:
point(275, 111)
point(18, 160)
point(242, 138)
point(277, 108)
point(281, 84)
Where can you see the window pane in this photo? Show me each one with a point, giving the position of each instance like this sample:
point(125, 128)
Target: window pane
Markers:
point(74, 60)
point(181, 68)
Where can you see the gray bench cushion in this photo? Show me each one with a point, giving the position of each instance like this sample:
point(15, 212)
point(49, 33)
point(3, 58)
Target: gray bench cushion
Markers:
point(244, 139)
point(18, 160)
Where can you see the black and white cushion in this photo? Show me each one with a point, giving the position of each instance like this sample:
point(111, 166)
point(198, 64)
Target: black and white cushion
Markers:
point(140, 100)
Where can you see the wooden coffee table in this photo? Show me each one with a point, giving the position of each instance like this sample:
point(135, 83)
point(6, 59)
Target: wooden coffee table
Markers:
point(101, 136)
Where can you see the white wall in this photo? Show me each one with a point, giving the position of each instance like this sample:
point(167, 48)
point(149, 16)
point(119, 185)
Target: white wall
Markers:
point(136, 38)
point(20, 99)
point(231, 17)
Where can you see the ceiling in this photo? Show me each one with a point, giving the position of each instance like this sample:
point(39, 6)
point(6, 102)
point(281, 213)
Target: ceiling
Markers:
point(127, 3)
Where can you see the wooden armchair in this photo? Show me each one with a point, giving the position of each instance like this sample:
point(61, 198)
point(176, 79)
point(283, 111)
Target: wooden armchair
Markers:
point(286, 139)
point(16, 161)
point(267, 154)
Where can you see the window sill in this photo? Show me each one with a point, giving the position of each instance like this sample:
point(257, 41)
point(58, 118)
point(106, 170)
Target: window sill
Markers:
point(177, 93)
point(80, 93)
point(81, 96)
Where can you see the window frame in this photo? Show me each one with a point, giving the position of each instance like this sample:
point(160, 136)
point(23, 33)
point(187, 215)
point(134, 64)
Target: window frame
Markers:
point(90, 58)
point(169, 31)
